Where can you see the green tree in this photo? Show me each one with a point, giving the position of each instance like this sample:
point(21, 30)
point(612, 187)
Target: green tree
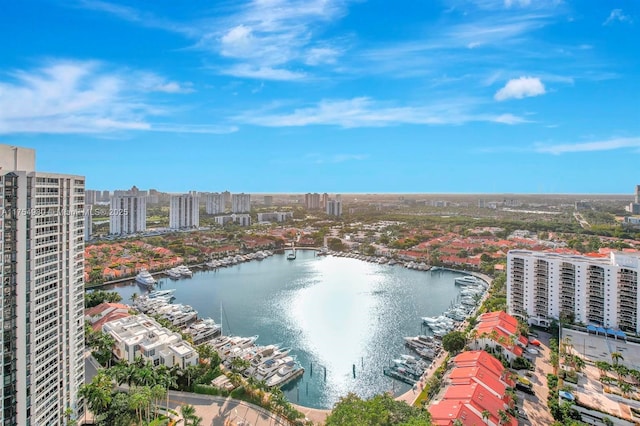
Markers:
point(454, 341)
point(379, 410)
point(616, 357)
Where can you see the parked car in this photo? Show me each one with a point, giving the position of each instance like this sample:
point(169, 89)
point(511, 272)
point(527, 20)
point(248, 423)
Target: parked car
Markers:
point(532, 351)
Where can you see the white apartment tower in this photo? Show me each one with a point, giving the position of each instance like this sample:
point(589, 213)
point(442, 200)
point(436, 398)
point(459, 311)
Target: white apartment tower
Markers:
point(334, 207)
point(42, 275)
point(214, 203)
point(240, 203)
point(128, 212)
point(598, 291)
point(184, 211)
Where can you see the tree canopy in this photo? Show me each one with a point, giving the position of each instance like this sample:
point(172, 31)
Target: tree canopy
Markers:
point(380, 410)
point(454, 341)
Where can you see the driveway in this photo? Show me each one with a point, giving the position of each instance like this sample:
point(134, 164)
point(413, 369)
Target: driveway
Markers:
point(535, 406)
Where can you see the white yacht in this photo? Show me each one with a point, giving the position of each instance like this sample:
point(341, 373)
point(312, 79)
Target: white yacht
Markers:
point(286, 373)
point(160, 293)
point(467, 280)
point(145, 278)
point(184, 271)
point(270, 367)
point(173, 273)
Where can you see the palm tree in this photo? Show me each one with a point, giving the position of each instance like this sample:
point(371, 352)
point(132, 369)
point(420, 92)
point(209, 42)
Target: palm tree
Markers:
point(635, 374)
point(98, 393)
point(188, 413)
point(603, 366)
point(503, 417)
point(134, 297)
point(616, 357)
point(158, 392)
point(578, 363)
point(621, 370)
point(139, 400)
point(68, 412)
point(485, 416)
point(458, 422)
point(625, 388)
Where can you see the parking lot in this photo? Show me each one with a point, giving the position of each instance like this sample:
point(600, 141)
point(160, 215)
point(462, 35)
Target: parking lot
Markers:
point(599, 348)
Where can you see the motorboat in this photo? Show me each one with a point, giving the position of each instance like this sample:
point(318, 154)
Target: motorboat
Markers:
point(285, 374)
point(400, 373)
point(184, 271)
point(173, 273)
point(145, 278)
point(467, 280)
point(270, 367)
point(160, 293)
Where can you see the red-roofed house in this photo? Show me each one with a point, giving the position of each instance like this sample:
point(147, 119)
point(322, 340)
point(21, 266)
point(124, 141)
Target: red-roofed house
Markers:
point(105, 312)
point(446, 412)
point(475, 398)
point(500, 329)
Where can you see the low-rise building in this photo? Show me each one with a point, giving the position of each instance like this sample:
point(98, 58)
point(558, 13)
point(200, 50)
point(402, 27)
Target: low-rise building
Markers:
point(140, 335)
point(105, 312)
point(274, 216)
point(477, 393)
point(239, 219)
point(499, 329)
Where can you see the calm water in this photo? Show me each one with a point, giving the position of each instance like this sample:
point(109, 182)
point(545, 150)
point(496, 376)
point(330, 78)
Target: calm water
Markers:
point(334, 312)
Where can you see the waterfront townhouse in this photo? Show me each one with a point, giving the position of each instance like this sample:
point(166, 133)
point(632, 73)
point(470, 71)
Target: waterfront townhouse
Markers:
point(476, 393)
point(598, 289)
point(140, 335)
point(499, 329)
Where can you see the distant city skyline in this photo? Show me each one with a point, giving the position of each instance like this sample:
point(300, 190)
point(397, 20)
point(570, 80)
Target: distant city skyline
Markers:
point(338, 96)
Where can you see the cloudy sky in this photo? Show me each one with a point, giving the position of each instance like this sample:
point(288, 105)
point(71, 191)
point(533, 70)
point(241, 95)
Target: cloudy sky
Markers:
point(465, 96)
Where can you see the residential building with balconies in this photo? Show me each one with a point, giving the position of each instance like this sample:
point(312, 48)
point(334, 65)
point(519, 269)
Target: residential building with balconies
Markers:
point(593, 290)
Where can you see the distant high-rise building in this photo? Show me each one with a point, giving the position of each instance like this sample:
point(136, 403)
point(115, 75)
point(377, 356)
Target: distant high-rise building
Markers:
point(240, 219)
point(268, 200)
point(227, 197)
point(106, 196)
point(214, 203)
point(128, 212)
point(184, 211)
point(88, 222)
point(312, 201)
point(240, 203)
point(91, 196)
point(153, 197)
point(634, 208)
point(42, 270)
point(334, 207)
point(324, 201)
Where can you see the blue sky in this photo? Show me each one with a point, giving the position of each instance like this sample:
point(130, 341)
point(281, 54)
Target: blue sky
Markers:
point(463, 96)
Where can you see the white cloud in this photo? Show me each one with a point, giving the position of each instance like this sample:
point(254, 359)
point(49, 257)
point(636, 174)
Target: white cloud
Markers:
point(274, 34)
point(519, 88)
point(617, 15)
point(336, 158)
point(263, 73)
point(522, 3)
point(365, 112)
point(84, 97)
point(604, 145)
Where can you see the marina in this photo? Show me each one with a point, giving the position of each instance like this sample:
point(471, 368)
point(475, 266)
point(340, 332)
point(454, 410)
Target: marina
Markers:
point(342, 320)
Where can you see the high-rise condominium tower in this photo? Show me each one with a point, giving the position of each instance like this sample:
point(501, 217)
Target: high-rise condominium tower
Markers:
point(41, 271)
point(184, 211)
